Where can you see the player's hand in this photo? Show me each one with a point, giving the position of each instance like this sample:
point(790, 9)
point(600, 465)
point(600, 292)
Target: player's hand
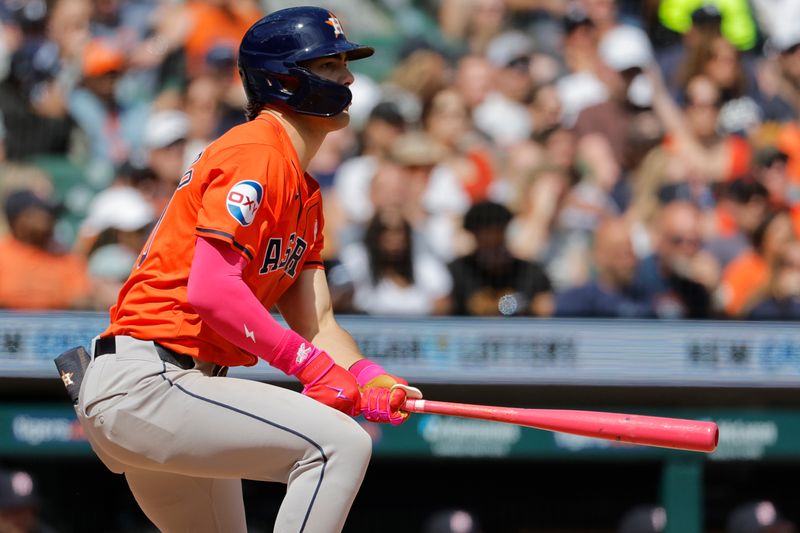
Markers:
point(381, 403)
point(379, 400)
point(327, 382)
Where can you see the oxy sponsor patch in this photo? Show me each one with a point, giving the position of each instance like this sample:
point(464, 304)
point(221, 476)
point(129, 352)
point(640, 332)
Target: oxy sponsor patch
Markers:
point(243, 200)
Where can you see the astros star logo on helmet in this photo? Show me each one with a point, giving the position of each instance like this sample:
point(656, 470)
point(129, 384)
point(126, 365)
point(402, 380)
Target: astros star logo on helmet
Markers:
point(337, 26)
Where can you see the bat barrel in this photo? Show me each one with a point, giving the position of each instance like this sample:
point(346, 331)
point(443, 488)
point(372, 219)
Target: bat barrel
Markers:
point(675, 433)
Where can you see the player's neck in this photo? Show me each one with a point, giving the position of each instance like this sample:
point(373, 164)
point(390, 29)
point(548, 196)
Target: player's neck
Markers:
point(306, 136)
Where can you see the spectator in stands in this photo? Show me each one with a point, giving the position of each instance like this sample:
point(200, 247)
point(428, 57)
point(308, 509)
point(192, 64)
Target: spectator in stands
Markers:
point(609, 293)
point(35, 272)
point(472, 24)
point(188, 31)
point(353, 178)
point(673, 60)
point(780, 298)
point(580, 87)
point(490, 281)
point(602, 13)
point(112, 236)
point(743, 203)
point(164, 151)
point(538, 200)
point(421, 72)
point(20, 504)
point(113, 128)
point(68, 26)
point(692, 135)
point(780, 78)
point(502, 114)
point(432, 197)
point(745, 275)
point(680, 277)
point(393, 273)
point(771, 170)
point(469, 161)
point(545, 111)
point(205, 112)
point(33, 105)
point(625, 52)
point(473, 79)
point(737, 22)
point(758, 517)
point(704, 50)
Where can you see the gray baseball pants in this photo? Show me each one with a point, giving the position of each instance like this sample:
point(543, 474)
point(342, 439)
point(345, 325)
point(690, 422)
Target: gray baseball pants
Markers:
point(185, 440)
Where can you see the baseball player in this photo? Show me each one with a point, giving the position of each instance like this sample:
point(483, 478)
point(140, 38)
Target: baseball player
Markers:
point(241, 234)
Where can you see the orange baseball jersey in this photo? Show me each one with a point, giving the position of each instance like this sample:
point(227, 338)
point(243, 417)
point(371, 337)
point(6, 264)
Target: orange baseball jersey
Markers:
point(247, 188)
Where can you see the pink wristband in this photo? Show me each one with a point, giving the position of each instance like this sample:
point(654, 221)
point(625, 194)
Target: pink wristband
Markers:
point(293, 353)
point(365, 371)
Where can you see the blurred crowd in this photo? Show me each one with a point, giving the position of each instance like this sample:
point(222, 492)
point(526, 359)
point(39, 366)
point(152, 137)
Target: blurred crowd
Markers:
point(570, 158)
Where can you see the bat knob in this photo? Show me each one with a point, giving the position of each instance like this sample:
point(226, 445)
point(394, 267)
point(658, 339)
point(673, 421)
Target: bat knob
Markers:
point(411, 392)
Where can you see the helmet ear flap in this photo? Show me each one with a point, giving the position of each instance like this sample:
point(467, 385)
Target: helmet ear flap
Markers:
point(263, 85)
point(317, 96)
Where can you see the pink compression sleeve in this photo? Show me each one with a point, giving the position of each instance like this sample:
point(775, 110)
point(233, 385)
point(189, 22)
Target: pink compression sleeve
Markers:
point(241, 318)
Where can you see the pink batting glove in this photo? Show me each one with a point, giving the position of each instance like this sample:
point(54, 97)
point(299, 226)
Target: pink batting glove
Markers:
point(382, 405)
point(380, 400)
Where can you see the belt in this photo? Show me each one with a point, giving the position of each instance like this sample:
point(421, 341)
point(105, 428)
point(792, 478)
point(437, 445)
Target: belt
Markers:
point(106, 345)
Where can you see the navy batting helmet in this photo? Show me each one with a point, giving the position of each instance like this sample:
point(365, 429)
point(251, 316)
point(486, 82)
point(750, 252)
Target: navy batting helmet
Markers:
point(273, 48)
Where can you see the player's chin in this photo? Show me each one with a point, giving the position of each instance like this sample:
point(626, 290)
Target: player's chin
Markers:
point(341, 120)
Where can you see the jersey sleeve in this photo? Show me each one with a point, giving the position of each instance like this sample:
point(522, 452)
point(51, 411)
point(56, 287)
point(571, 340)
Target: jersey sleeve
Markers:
point(242, 183)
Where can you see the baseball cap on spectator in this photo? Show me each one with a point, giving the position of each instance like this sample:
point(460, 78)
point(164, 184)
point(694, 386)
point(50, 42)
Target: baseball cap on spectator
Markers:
point(416, 149)
point(122, 208)
point(35, 62)
point(625, 47)
point(754, 517)
point(508, 48)
point(102, 57)
point(17, 490)
point(643, 519)
point(165, 128)
point(221, 56)
point(19, 201)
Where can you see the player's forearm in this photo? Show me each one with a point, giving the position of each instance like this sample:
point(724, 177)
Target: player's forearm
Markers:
point(242, 320)
point(335, 340)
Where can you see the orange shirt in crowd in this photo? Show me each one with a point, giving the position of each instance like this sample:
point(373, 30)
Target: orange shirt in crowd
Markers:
point(215, 25)
point(31, 278)
point(246, 189)
point(741, 280)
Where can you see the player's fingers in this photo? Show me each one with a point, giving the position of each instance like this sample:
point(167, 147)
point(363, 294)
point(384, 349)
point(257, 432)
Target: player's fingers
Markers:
point(397, 397)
